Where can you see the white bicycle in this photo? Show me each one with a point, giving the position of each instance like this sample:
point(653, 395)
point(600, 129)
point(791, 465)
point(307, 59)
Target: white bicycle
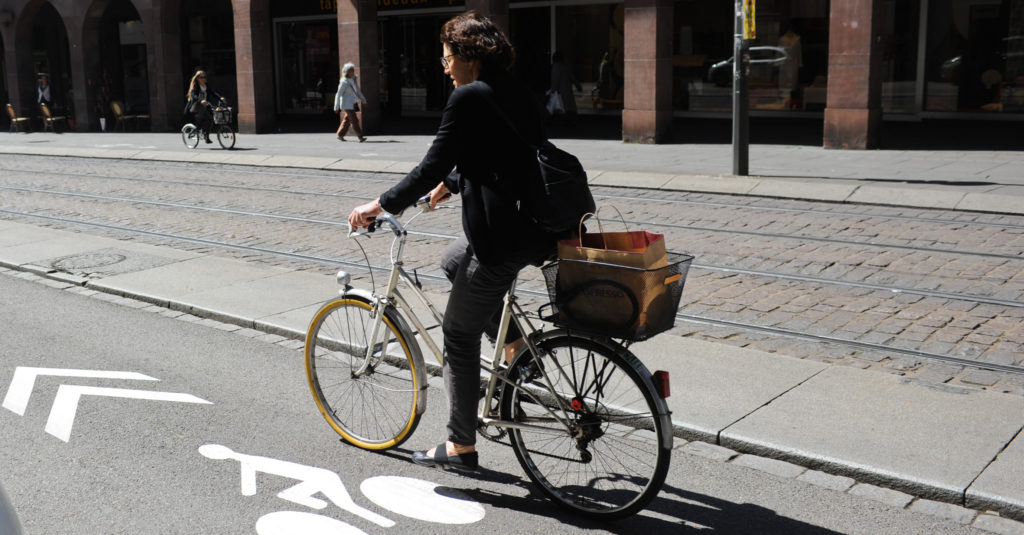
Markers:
point(586, 419)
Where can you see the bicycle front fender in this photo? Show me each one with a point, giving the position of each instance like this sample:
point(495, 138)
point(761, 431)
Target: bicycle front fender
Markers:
point(409, 339)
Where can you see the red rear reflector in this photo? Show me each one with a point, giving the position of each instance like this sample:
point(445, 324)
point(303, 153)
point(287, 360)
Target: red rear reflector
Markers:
point(661, 383)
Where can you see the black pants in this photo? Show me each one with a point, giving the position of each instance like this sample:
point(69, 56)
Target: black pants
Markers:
point(204, 120)
point(474, 307)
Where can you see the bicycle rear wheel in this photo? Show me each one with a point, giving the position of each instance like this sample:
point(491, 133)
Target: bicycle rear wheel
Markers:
point(190, 135)
point(379, 408)
point(225, 136)
point(613, 458)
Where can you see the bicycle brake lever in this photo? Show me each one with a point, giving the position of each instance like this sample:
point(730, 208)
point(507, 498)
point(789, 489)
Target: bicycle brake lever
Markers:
point(353, 232)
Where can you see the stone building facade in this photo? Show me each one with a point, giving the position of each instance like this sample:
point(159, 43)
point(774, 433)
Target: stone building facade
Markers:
point(849, 62)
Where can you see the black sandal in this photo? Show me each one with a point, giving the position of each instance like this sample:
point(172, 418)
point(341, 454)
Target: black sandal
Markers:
point(463, 462)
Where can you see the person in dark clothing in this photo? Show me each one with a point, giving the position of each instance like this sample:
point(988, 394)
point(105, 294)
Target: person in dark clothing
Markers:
point(489, 161)
point(199, 105)
point(43, 95)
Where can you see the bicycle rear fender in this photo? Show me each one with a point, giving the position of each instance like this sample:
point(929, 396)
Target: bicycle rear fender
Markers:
point(410, 338)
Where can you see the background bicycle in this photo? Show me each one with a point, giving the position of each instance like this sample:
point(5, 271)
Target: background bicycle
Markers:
point(587, 421)
point(222, 128)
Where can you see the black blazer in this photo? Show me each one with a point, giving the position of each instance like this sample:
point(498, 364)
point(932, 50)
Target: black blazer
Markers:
point(489, 160)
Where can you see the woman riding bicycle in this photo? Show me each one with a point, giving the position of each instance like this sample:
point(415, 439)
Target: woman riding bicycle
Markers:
point(489, 160)
point(198, 107)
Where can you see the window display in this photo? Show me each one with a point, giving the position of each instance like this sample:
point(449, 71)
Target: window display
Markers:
point(307, 73)
point(704, 38)
point(974, 56)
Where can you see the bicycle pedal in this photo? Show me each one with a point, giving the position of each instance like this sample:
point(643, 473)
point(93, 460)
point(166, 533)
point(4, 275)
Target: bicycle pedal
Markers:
point(494, 434)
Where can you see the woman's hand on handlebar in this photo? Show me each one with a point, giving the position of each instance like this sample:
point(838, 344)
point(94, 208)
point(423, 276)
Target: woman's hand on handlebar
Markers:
point(438, 195)
point(362, 215)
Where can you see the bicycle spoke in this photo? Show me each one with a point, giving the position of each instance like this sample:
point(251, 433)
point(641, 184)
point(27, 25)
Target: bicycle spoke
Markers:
point(377, 408)
point(609, 463)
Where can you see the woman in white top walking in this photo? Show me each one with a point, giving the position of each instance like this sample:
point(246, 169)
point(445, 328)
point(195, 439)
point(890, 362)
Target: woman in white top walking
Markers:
point(346, 102)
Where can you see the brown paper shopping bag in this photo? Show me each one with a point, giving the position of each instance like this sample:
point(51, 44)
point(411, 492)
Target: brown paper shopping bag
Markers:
point(609, 280)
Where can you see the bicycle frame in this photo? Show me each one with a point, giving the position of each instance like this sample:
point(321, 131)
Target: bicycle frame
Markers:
point(511, 312)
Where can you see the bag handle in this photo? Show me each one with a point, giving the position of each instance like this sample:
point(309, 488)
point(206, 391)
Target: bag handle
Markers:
point(600, 227)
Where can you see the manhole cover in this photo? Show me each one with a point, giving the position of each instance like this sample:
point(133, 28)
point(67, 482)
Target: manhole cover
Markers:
point(87, 260)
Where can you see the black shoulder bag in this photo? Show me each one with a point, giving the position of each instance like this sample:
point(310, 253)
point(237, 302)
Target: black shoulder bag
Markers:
point(557, 195)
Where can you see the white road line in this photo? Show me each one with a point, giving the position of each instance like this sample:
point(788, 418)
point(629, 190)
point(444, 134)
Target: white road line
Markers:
point(24, 380)
point(65, 404)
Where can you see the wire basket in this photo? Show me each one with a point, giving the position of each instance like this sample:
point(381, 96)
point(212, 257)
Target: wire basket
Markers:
point(222, 115)
point(616, 301)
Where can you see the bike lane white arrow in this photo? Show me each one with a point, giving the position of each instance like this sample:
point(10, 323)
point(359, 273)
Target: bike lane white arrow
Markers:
point(65, 404)
point(24, 379)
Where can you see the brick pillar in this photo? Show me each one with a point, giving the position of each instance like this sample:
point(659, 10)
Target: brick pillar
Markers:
point(79, 78)
point(647, 113)
point(357, 42)
point(166, 80)
point(254, 65)
point(853, 112)
point(496, 10)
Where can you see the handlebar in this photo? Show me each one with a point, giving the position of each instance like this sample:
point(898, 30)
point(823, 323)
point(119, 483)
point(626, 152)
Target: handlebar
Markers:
point(423, 203)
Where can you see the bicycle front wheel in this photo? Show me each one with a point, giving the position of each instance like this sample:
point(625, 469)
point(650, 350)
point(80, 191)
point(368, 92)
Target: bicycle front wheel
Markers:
point(599, 444)
point(375, 406)
point(225, 136)
point(190, 135)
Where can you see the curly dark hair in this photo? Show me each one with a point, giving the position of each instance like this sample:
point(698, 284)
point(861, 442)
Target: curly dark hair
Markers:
point(471, 35)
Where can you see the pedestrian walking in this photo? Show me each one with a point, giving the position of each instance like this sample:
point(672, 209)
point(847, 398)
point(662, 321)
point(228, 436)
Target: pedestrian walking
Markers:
point(563, 82)
point(346, 103)
point(490, 162)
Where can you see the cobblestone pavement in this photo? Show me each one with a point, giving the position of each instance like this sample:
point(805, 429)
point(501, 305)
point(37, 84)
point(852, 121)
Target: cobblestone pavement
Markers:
point(793, 253)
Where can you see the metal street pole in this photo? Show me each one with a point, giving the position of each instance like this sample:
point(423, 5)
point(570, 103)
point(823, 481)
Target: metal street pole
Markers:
point(740, 98)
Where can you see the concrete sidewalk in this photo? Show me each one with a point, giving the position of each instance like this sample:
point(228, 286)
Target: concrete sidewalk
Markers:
point(946, 445)
point(986, 181)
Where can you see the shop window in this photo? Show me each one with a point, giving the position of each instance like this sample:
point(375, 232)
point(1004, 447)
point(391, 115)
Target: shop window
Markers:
point(412, 79)
point(975, 56)
point(529, 32)
point(208, 38)
point(899, 56)
point(50, 57)
point(704, 36)
point(590, 39)
point(307, 66)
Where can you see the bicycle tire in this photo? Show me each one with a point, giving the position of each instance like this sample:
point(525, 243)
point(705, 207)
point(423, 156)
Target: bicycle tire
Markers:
point(381, 408)
point(225, 136)
point(618, 459)
point(190, 135)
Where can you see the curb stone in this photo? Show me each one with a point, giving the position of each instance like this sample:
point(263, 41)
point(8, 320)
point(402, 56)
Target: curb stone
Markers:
point(956, 513)
point(999, 525)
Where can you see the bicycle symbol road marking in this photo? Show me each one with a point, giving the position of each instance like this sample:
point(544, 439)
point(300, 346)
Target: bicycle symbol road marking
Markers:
point(312, 480)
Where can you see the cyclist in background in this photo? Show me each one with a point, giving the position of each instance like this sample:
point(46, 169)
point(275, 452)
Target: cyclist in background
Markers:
point(199, 107)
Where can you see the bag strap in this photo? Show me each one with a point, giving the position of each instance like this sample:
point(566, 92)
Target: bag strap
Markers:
point(504, 117)
point(600, 227)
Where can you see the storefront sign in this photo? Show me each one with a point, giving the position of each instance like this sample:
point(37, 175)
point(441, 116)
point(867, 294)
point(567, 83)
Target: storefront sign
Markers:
point(749, 27)
point(303, 8)
point(391, 5)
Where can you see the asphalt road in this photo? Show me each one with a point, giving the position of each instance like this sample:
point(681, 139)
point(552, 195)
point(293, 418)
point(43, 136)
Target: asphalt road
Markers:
point(241, 448)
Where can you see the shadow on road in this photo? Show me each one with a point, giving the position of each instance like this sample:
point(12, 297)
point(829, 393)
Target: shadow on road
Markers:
point(673, 511)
